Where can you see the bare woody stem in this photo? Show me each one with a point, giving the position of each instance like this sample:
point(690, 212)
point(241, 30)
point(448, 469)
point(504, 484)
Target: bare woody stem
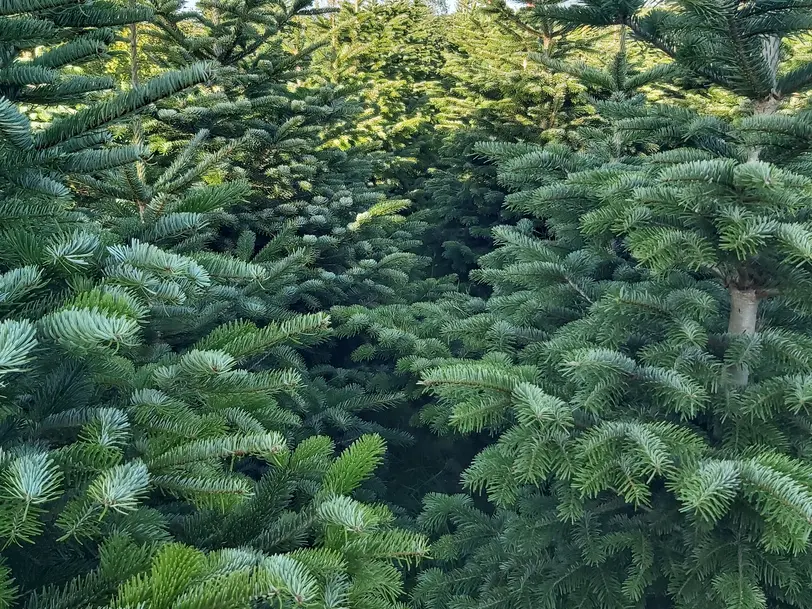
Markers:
point(742, 321)
point(744, 303)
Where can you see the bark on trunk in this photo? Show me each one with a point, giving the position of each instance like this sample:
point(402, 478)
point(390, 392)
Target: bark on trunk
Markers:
point(743, 318)
point(766, 106)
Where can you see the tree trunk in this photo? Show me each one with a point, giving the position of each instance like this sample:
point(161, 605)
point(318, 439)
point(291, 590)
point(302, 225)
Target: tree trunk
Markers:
point(743, 318)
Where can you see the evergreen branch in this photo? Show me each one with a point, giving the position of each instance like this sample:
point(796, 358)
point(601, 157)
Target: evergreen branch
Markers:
point(123, 104)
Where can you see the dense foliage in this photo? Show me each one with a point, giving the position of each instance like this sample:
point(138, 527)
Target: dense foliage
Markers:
point(377, 305)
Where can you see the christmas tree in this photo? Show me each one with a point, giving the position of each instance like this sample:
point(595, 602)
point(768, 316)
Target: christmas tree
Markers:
point(647, 355)
point(235, 370)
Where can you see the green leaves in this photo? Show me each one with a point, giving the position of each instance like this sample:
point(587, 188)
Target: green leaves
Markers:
point(27, 484)
point(738, 591)
point(202, 199)
point(72, 252)
point(14, 126)
point(743, 233)
point(353, 466)
point(243, 339)
point(156, 372)
point(384, 209)
point(664, 249)
point(710, 490)
point(123, 104)
point(232, 270)
point(120, 488)
point(630, 457)
point(86, 330)
point(8, 590)
point(157, 275)
point(17, 342)
point(347, 514)
point(163, 341)
point(267, 446)
point(31, 480)
point(173, 569)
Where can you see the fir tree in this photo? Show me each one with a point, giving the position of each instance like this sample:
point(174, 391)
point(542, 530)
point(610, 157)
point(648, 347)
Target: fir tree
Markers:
point(68, 318)
point(649, 452)
point(131, 412)
point(390, 55)
point(498, 90)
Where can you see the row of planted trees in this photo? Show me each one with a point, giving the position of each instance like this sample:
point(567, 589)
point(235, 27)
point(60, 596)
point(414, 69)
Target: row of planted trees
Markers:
point(168, 252)
point(629, 364)
point(236, 373)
